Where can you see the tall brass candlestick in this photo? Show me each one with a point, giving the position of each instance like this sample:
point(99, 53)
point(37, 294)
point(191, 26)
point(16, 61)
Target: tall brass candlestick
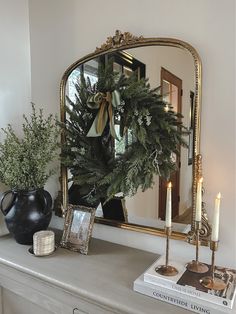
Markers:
point(195, 266)
point(167, 270)
point(210, 282)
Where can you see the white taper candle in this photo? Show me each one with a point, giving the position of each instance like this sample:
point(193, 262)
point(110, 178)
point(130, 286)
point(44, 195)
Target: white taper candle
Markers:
point(168, 205)
point(198, 215)
point(216, 219)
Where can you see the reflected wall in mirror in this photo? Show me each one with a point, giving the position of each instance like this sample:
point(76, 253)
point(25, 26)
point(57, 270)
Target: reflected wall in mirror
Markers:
point(175, 66)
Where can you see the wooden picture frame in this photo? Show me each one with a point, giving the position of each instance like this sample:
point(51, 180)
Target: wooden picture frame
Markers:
point(191, 95)
point(190, 147)
point(78, 227)
point(191, 129)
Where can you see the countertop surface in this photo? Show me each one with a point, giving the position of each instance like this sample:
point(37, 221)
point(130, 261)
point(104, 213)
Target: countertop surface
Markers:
point(104, 276)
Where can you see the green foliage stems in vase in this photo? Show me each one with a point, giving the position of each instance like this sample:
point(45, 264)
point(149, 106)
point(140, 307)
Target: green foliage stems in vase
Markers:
point(157, 134)
point(24, 161)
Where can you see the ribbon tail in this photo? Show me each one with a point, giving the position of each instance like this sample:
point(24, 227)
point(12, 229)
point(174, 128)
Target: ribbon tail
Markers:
point(112, 129)
point(112, 123)
point(94, 131)
point(116, 99)
point(101, 118)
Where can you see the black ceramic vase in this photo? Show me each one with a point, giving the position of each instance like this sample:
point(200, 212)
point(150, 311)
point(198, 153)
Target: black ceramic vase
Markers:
point(26, 213)
point(77, 197)
point(113, 209)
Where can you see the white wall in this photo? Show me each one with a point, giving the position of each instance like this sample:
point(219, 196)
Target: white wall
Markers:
point(14, 61)
point(63, 31)
point(14, 67)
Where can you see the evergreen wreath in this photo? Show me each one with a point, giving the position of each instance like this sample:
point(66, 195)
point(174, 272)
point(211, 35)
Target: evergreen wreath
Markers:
point(88, 151)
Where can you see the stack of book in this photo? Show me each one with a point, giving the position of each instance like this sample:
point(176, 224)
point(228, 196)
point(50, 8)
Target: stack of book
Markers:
point(185, 290)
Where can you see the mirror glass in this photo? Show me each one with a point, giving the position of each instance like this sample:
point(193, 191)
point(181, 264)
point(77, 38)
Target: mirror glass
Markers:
point(173, 69)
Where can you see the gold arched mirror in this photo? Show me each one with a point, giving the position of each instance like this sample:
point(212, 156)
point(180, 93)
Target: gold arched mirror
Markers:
point(176, 67)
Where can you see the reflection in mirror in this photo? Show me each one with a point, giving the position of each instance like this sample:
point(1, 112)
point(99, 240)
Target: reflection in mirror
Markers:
point(173, 69)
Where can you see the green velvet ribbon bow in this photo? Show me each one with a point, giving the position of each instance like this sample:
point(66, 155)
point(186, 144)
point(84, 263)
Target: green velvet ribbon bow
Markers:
point(105, 102)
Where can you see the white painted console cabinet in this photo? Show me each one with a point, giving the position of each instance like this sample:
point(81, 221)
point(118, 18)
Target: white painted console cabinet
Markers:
point(71, 283)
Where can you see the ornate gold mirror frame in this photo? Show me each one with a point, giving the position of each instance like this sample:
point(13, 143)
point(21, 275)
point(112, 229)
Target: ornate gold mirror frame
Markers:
point(126, 41)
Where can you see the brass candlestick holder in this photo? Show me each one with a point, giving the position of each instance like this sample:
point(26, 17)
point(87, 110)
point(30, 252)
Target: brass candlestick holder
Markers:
point(167, 270)
point(195, 266)
point(210, 282)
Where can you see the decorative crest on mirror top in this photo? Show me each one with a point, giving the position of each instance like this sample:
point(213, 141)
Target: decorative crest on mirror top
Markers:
point(120, 39)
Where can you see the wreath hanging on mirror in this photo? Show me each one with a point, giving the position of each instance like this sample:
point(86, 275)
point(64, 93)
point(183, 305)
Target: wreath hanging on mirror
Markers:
point(119, 134)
